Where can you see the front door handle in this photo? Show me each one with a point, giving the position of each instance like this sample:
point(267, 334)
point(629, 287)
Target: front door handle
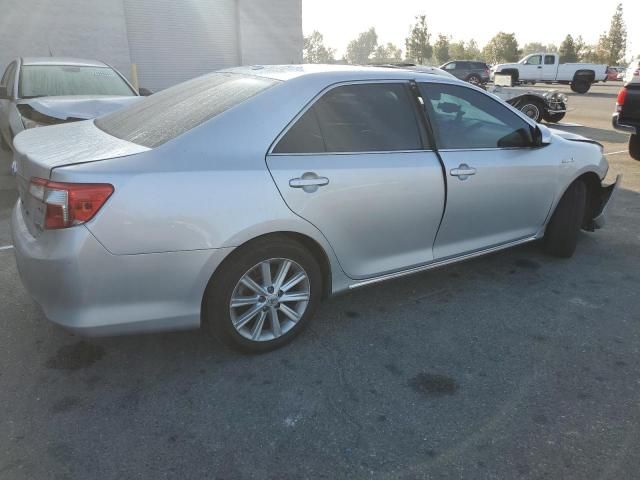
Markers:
point(309, 182)
point(463, 172)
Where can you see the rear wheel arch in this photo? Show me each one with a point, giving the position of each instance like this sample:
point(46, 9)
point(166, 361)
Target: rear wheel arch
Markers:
point(584, 76)
point(311, 245)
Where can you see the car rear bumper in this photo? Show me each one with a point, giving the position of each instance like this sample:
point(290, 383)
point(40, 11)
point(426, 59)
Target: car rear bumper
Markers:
point(615, 122)
point(82, 287)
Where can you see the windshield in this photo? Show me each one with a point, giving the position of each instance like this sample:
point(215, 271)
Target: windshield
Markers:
point(56, 80)
point(168, 114)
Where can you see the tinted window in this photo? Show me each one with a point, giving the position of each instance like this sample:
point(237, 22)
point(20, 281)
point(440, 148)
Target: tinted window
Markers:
point(466, 119)
point(304, 136)
point(176, 110)
point(356, 118)
point(535, 60)
point(54, 80)
point(479, 65)
point(549, 60)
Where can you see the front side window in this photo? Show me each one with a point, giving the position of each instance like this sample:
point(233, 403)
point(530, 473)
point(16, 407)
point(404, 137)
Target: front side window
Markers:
point(450, 66)
point(373, 117)
point(535, 60)
point(466, 119)
point(55, 80)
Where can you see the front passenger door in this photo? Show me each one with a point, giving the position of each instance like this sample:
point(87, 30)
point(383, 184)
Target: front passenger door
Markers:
point(498, 183)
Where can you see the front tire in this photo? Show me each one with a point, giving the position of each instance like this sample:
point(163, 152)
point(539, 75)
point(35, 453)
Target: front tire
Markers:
point(553, 117)
point(263, 295)
point(561, 236)
point(634, 146)
point(532, 109)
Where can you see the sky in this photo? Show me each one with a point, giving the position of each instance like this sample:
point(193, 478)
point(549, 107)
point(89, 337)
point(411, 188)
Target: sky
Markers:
point(545, 21)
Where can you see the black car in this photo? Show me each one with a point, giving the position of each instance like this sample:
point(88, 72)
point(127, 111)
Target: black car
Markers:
point(627, 116)
point(476, 73)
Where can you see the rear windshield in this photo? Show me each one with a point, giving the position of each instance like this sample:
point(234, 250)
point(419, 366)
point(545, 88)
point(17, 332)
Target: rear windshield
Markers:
point(55, 80)
point(172, 112)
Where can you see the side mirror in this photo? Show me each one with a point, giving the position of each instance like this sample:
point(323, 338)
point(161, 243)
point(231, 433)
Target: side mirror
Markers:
point(449, 107)
point(145, 92)
point(541, 136)
point(3, 93)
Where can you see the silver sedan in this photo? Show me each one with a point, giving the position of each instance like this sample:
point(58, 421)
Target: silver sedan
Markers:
point(240, 199)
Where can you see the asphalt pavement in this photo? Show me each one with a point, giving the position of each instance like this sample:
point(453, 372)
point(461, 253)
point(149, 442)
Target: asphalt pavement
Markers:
point(512, 366)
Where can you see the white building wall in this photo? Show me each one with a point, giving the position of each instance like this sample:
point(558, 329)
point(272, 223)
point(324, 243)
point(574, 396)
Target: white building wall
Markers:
point(270, 31)
point(174, 41)
point(92, 29)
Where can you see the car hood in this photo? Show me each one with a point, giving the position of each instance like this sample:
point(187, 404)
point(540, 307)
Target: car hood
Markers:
point(574, 137)
point(80, 107)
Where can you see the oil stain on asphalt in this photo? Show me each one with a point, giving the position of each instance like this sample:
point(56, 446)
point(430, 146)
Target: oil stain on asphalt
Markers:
point(432, 385)
point(75, 357)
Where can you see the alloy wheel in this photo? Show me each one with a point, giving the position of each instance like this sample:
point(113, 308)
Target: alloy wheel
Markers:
point(269, 299)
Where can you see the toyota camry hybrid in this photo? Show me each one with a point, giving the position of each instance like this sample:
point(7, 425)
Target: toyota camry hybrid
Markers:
point(242, 198)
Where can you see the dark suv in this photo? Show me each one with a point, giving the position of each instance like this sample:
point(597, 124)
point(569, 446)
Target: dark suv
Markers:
point(476, 73)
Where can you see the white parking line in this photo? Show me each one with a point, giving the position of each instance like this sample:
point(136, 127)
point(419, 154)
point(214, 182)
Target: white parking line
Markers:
point(6, 247)
point(616, 153)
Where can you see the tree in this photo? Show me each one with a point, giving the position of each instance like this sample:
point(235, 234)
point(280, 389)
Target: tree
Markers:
point(533, 47)
point(568, 50)
point(616, 43)
point(388, 53)
point(441, 49)
point(359, 51)
point(314, 50)
point(419, 50)
point(472, 52)
point(502, 48)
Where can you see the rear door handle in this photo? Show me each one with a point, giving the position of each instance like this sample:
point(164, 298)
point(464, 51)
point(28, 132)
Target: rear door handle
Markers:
point(463, 172)
point(309, 182)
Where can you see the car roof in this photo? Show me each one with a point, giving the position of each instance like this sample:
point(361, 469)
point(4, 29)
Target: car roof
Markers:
point(335, 73)
point(77, 62)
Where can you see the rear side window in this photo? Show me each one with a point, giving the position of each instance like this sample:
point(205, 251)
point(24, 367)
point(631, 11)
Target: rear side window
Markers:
point(172, 112)
point(549, 60)
point(465, 119)
point(356, 118)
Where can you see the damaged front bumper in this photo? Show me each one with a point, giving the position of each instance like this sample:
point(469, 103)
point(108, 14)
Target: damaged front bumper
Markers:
point(600, 211)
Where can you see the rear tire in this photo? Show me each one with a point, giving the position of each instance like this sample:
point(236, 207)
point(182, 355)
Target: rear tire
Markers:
point(474, 79)
point(225, 322)
point(634, 146)
point(581, 86)
point(561, 236)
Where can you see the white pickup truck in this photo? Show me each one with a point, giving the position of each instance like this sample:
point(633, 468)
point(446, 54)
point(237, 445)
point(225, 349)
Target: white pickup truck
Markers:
point(546, 68)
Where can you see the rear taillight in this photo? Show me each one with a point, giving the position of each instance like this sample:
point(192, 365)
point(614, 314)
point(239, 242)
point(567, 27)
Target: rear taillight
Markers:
point(69, 204)
point(622, 96)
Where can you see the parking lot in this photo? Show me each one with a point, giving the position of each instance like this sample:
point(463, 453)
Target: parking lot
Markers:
point(515, 365)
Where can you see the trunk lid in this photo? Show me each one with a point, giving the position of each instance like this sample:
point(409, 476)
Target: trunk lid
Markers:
point(38, 151)
point(78, 107)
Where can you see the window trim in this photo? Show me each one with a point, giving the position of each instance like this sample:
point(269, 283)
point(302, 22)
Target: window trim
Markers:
point(503, 105)
point(407, 84)
point(11, 86)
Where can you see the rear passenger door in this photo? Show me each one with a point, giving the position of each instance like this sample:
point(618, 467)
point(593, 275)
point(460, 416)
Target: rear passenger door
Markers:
point(357, 164)
point(549, 68)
